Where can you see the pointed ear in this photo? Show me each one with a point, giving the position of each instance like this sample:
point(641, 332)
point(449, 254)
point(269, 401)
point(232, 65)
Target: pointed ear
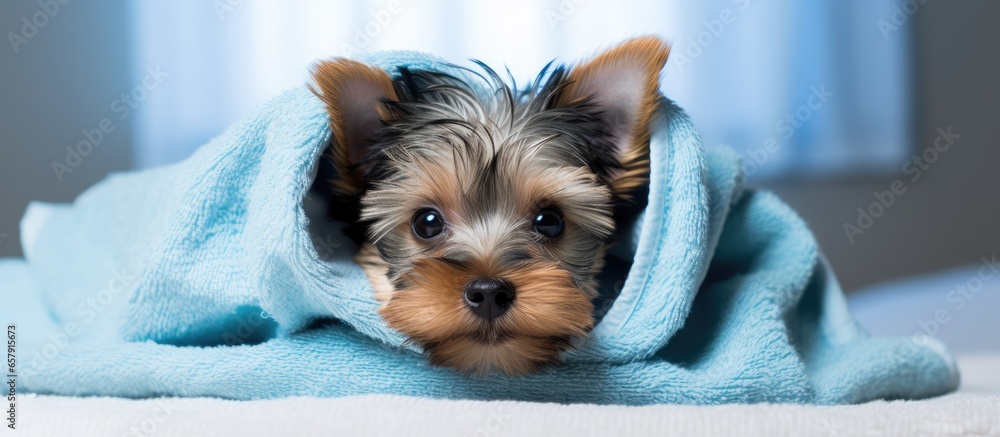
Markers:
point(624, 83)
point(354, 94)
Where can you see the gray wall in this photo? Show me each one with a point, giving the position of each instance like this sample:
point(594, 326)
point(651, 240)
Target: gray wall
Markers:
point(950, 216)
point(65, 79)
point(62, 82)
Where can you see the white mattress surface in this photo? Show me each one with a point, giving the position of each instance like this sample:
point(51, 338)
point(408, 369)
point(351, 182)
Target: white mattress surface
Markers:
point(973, 410)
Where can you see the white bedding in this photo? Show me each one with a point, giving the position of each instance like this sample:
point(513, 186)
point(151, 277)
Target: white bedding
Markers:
point(974, 410)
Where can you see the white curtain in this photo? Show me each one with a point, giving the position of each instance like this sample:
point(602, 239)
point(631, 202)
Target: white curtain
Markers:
point(738, 66)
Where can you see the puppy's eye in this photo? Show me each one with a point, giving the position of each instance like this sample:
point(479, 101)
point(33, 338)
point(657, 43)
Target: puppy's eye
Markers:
point(427, 224)
point(549, 223)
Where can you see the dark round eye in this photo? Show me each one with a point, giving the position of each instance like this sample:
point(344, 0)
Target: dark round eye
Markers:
point(427, 224)
point(549, 223)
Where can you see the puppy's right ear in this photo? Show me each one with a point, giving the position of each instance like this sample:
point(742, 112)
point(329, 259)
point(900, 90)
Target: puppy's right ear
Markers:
point(354, 94)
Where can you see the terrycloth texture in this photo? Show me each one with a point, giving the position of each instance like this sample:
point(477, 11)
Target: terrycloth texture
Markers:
point(725, 300)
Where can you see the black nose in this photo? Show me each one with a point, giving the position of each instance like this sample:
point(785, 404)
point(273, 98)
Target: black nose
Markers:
point(489, 297)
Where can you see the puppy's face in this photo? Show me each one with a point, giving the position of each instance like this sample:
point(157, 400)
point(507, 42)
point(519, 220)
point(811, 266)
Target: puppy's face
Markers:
point(490, 213)
point(492, 233)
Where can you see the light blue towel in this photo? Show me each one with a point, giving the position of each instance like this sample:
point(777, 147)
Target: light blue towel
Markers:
point(206, 278)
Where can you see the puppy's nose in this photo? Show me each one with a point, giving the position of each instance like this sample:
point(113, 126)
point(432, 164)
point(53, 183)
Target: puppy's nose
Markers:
point(489, 297)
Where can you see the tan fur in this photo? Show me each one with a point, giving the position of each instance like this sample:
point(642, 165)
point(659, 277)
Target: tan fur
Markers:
point(431, 312)
point(376, 270)
point(336, 82)
point(647, 55)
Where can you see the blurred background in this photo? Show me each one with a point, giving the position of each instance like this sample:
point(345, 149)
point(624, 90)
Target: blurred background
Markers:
point(876, 119)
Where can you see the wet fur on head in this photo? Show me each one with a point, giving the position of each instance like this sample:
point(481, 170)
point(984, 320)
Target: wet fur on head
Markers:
point(574, 142)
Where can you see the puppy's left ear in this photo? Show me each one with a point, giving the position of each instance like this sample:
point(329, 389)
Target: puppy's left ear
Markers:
point(624, 84)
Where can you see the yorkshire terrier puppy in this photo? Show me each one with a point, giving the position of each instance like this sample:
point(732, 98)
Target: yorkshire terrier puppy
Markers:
point(486, 216)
